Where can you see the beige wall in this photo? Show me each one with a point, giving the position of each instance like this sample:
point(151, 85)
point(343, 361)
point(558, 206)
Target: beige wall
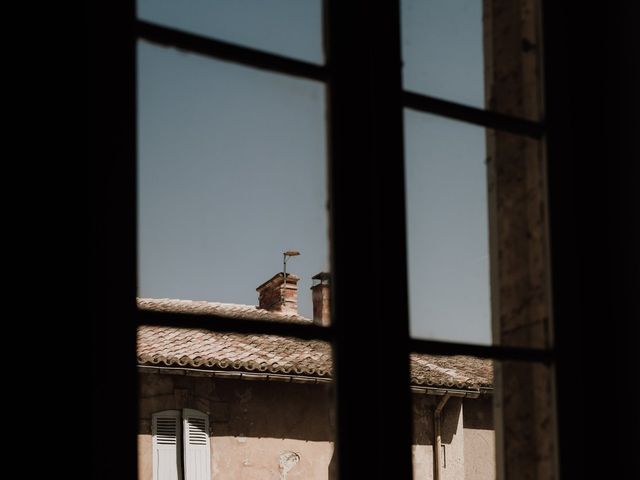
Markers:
point(256, 426)
point(467, 436)
point(452, 438)
point(479, 440)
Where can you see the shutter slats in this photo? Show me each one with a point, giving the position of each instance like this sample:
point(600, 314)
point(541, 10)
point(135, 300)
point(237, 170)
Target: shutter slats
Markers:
point(166, 431)
point(197, 434)
point(181, 445)
point(166, 445)
point(197, 453)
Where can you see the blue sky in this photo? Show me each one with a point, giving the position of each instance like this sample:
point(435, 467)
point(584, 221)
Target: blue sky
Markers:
point(232, 161)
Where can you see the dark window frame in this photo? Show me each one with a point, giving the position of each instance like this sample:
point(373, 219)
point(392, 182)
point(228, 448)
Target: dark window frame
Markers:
point(365, 99)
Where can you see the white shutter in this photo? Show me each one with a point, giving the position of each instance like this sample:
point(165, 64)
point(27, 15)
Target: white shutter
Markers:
point(197, 452)
point(167, 458)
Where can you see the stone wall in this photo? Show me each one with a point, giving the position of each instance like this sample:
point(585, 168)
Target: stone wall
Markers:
point(518, 218)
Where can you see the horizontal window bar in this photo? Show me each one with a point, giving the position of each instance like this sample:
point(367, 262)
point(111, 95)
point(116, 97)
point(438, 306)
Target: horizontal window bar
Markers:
point(477, 116)
point(215, 323)
point(226, 51)
point(495, 352)
point(313, 332)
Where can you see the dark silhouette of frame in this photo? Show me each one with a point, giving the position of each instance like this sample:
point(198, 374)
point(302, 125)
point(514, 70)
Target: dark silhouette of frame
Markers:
point(367, 225)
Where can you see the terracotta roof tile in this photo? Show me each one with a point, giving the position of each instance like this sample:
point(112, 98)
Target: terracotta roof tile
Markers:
point(276, 354)
point(227, 310)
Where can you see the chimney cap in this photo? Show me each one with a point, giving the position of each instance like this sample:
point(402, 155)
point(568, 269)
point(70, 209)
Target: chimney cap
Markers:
point(322, 277)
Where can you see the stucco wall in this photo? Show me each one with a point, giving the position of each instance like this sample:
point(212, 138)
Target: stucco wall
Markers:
point(467, 435)
point(256, 426)
point(452, 437)
point(479, 440)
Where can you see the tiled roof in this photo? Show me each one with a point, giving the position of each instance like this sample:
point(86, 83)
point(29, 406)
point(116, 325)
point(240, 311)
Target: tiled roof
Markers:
point(259, 353)
point(276, 354)
point(456, 371)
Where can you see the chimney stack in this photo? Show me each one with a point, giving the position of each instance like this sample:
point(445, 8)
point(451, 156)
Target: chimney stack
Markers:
point(320, 298)
point(275, 296)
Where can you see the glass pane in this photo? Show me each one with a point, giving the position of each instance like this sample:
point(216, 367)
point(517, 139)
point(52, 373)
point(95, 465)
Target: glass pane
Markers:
point(448, 234)
point(292, 28)
point(481, 53)
point(481, 419)
point(477, 234)
point(232, 174)
point(442, 49)
point(234, 406)
point(453, 417)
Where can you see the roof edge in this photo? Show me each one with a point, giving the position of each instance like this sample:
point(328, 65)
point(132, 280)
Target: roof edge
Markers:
point(299, 378)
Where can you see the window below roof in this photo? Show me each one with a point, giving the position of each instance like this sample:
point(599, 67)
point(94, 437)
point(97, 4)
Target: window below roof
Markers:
point(180, 445)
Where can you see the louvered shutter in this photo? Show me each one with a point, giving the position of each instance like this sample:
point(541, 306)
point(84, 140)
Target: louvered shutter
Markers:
point(167, 458)
point(197, 453)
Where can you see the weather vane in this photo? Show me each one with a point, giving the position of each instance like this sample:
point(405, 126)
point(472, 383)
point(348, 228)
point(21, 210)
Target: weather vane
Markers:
point(285, 255)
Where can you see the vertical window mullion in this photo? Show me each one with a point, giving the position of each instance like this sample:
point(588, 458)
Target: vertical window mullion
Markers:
point(368, 232)
point(112, 150)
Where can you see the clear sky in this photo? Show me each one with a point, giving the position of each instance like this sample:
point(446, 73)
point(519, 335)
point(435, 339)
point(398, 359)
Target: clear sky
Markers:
point(232, 161)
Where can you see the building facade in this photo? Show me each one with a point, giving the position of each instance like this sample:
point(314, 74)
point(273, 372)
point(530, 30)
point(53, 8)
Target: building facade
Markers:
point(239, 406)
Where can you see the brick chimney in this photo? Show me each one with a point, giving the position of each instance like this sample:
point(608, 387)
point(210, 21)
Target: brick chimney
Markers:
point(320, 298)
point(274, 296)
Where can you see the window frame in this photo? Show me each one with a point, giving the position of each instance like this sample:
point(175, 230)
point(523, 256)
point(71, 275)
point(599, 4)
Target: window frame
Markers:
point(365, 98)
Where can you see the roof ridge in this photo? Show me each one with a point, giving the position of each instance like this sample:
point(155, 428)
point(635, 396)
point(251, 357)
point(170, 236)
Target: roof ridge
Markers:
point(186, 300)
point(178, 305)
